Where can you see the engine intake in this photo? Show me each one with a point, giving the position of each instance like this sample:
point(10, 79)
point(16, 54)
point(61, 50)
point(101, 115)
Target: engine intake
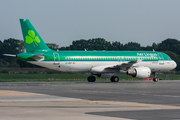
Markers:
point(140, 72)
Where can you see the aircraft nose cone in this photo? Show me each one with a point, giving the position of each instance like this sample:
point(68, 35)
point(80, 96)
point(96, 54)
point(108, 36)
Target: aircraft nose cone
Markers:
point(174, 65)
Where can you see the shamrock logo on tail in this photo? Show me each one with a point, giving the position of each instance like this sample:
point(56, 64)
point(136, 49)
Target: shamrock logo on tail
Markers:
point(32, 38)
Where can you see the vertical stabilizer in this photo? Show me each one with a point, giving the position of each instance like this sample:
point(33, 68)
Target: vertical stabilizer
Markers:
point(32, 39)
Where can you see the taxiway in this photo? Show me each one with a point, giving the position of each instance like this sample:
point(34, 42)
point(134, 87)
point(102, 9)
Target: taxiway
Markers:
point(137, 100)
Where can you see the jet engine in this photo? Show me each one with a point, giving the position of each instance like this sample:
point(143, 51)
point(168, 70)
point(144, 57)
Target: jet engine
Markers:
point(140, 72)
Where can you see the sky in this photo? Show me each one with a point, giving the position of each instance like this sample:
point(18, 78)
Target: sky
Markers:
point(63, 21)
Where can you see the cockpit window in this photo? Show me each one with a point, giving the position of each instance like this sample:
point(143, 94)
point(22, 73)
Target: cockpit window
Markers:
point(169, 58)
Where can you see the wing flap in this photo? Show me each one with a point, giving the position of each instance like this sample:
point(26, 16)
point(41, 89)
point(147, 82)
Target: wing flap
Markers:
point(125, 66)
point(114, 67)
point(100, 69)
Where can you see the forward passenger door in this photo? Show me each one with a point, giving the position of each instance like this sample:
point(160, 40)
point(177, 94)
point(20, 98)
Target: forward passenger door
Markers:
point(161, 59)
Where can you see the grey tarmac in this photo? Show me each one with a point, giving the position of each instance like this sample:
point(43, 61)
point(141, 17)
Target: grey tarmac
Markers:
point(126, 100)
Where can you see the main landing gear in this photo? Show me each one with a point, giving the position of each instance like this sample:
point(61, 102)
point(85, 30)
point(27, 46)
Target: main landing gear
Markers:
point(91, 79)
point(155, 79)
point(114, 79)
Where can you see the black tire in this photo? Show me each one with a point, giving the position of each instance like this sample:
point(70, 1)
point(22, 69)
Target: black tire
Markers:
point(91, 79)
point(155, 79)
point(114, 79)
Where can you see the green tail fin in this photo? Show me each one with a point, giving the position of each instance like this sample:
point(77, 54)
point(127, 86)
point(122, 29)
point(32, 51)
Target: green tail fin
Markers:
point(32, 39)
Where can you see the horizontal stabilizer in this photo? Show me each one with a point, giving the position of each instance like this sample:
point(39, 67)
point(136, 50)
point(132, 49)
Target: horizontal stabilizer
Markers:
point(10, 55)
point(38, 57)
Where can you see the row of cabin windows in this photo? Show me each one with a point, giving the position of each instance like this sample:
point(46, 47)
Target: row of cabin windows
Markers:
point(111, 58)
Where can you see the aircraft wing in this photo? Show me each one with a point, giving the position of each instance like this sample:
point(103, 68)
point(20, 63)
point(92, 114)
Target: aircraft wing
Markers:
point(125, 66)
point(108, 68)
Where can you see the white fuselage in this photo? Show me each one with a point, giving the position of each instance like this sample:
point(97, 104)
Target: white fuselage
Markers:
point(86, 66)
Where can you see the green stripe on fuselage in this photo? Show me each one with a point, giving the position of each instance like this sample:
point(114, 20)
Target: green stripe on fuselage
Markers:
point(102, 55)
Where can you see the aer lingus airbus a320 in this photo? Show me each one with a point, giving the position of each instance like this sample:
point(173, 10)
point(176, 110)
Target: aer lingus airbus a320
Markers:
point(104, 64)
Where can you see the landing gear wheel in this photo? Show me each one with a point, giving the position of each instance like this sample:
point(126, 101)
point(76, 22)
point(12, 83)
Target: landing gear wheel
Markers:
point(91, 79)
point(155, 79)
point(114, 79)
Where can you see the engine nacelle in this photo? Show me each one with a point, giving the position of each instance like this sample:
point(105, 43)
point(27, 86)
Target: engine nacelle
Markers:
point(105, 75)
point(140, 72)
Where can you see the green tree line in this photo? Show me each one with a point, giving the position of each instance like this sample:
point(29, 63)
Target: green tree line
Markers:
point(14, 46)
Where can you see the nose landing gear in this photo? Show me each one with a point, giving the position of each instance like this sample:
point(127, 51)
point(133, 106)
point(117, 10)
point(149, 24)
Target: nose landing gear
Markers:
point(155, 79)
